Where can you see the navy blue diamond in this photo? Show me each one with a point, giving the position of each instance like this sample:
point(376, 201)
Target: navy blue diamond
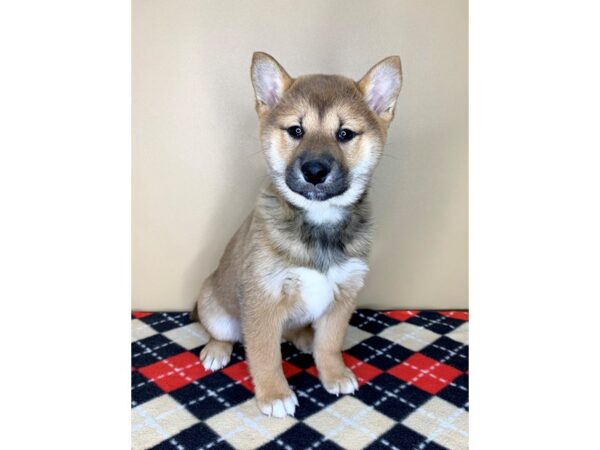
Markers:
point(300, 436)
point(438, 323)
point(196, 436)
point(152, 349)
point(388, 354)
point(371, 321)
point(311, 394)
point(294, 356)
point(404, 438)
point(227, 389)
point(143, 390)
point(162, 322)
point(450, 352)
point(394, 398)
point(457, 392)
point(203, 402)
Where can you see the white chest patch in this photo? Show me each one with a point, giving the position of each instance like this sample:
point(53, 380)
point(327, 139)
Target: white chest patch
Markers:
point(317, 290)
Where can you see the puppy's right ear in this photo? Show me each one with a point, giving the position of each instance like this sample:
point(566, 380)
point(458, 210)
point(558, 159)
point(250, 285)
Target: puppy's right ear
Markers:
point(269, 79)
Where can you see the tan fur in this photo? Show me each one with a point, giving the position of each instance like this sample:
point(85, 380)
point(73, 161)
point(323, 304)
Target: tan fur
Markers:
point(258, 285)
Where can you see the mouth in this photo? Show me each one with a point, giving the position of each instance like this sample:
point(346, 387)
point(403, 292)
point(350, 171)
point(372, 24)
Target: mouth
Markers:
point(315, 194)
point(335, 184)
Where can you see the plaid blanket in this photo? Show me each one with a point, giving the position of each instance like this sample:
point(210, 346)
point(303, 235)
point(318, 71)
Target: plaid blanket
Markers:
point(412, 368)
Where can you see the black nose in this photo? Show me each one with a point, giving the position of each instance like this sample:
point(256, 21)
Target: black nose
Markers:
point(315, 171)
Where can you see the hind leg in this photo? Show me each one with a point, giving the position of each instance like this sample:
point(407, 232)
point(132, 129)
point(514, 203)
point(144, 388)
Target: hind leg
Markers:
point(216, 354)
point(223, 328)
point(302, 338)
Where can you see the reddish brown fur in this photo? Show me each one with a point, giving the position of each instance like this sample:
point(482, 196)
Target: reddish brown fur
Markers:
point(246, 289)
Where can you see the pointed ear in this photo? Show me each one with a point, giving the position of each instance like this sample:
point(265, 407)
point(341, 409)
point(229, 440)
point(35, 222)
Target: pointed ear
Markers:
point(269, 79)
point(381, 86)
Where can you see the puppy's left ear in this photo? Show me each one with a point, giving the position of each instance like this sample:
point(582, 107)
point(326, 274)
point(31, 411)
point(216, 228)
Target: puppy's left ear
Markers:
point(381, 87)
point(269, 79)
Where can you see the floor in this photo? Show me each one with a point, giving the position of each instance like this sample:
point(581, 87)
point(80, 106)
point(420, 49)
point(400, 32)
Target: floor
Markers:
point(412, 368)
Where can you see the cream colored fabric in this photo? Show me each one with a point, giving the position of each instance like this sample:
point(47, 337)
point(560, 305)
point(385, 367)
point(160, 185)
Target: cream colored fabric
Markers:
point(197, 165)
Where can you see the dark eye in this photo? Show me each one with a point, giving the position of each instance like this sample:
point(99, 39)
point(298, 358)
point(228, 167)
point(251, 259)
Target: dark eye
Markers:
point(345, 135)
point(296, 131)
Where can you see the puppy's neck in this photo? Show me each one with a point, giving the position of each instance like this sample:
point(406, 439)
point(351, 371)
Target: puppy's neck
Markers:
point(321, 218)
point(325, 214)
point(337, 235)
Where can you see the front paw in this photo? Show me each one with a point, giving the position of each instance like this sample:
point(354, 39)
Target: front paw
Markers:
point(339, 382)
point(277, 405)
point(215, 355)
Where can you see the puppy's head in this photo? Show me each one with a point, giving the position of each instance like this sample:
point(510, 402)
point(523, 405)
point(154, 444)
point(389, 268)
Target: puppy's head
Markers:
point(323, 135)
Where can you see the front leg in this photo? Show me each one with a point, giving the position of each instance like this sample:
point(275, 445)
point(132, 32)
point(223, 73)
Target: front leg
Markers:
point(330, 330)
point(262, 338)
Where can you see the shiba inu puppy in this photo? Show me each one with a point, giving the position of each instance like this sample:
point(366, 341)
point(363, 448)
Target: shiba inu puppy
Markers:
point(293, 269)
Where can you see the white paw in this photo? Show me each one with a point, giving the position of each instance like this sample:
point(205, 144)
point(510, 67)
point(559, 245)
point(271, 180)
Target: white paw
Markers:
point(345, 384)
point(279, 407)
point(214, 360)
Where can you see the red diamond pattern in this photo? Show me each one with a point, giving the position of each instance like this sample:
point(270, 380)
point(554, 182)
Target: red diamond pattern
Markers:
point(460, 315)
point(425, 373)
point(175, 372)
point(172, 392)
point(401, 315)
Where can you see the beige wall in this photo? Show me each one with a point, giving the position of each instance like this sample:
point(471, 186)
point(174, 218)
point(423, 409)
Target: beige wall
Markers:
point(196, 161)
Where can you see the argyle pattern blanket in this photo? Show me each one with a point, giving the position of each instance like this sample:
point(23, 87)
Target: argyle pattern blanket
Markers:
point(412, 369)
